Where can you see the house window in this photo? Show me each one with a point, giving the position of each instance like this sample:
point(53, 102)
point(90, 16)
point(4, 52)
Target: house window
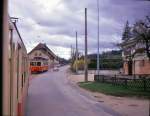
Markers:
point(40, 54)
point(35, 54)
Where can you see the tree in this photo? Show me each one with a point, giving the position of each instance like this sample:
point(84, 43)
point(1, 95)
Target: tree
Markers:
point(126, 33)
point(79, 63)
point(141, 31)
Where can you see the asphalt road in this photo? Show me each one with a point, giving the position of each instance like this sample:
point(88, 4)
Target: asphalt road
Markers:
point(51, 94)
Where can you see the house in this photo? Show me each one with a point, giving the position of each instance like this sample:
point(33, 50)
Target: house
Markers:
point(136, 48)
point(41, 50)
point(135, 59)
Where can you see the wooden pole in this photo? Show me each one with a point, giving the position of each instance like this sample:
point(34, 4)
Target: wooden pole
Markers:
point(71, 53)
point(85, 59)
point(76, 52)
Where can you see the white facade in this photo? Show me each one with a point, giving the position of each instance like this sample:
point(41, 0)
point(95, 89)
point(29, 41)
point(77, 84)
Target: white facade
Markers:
point(40, 53)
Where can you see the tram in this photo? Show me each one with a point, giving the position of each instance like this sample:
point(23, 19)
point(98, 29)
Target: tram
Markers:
point(38, 64)
point(15, 69)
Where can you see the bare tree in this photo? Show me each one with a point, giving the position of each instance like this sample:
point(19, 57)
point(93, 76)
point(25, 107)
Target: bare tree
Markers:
point(141, 31)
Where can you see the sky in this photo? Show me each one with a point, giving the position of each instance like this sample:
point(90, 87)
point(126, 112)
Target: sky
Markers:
point(55, 22)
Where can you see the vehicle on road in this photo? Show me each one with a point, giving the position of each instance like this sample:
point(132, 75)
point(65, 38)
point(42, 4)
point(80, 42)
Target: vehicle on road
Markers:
point(16, 70)
point(55, 68)
point(38, 64)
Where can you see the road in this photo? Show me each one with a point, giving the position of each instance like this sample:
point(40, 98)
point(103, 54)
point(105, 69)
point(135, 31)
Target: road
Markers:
point(51, 94)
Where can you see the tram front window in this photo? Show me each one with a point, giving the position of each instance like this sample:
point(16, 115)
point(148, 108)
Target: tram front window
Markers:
point(38, 63)
point(33, 63)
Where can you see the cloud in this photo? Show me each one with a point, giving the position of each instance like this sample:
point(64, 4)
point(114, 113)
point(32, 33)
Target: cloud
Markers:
point(55, 22)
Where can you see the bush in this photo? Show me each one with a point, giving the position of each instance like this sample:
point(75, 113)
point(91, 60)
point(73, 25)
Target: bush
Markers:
point(106, 64)
point(80, 64)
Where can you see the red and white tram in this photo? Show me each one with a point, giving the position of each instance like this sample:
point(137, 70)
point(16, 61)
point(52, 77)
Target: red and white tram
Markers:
point(38, 64)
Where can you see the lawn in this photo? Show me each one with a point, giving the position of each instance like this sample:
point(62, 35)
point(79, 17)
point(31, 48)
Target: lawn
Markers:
point(113, 90)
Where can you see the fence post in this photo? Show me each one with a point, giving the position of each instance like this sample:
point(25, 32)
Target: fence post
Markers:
point(115, 80)
point(94, 77)
point(99, 78)
point(103, 79)
point(112, 81)
point(144, 82)
point(125, 83)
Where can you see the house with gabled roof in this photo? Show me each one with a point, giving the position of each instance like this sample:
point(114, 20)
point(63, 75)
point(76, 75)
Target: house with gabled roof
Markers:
point(41, 50)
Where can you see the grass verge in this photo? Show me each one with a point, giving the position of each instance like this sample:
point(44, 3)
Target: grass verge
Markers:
point(113, 90)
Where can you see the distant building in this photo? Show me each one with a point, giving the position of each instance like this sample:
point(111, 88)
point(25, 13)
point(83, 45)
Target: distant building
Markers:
point(135, 57)
point(41, 50)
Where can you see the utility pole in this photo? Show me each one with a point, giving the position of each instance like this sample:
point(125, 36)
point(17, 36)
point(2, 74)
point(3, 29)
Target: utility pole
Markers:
point(98, 38)
point(71, 52)
point(72, 56)
point(85, 58)
point(76, 52)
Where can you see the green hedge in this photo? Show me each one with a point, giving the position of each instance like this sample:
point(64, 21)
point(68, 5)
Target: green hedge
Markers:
point(106, 64)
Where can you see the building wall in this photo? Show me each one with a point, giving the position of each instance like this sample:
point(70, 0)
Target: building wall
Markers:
point(125, 68)
point(138, 67)
point(37, 53)
point(51, 63)
point(142, 67)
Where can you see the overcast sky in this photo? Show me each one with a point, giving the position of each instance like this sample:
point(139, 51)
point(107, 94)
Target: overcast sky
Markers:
point(54, 22)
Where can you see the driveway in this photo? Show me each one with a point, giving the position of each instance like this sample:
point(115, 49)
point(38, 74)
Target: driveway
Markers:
point(51, 94)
